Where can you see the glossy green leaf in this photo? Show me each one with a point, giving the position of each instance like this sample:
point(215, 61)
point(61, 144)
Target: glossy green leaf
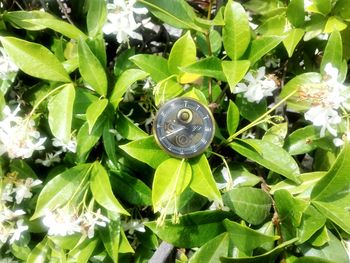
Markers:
point(171, 178)
point(182, 53)
point(146, 150)
point(333, 52)
point(91, 69)
point(40, 252)
point(292, 40)
point(61, 113)
point(323, 6)
point(125, 80)
point(110, 236)
point(261, 46)
point(128, 129)
point(96, 17)
point(83, 251)
point(331, 196)
point(208, 67)
point(235, 71)
point(311, 222)
point(232, 118)
point(295, 12)
point(212, 250)
point(102, 191)
point(251, 204)
point(269, 256)
point(302, 140)
point(110, 141)
point(268, 155)
point(131, 189)
point(59, 190)
point(276, 25)
point(276, 134)
point(94, 111)
point(166, 90)
point(250, 110)
point(202, 179)
point(245, 238)
point(22, 169)
point(335, 24)
point(154, 65)
point(38, 20)
point(177, 13)
point(34, 59)
point(215, 43)
point(236, 31)
point(203, 226)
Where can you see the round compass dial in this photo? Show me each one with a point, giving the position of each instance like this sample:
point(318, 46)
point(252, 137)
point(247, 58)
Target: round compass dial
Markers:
point(184, 127)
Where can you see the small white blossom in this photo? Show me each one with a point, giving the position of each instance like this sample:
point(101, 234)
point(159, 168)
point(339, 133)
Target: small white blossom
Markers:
point(23, 188)
point(91, 219)
point(6, 193)
point(121, 21)
point(17, 231)
point(18, 136)
point(9, 215)
point(340, 141)
point(228, 184)
point(218, 206)
point(4, 233)
point(134, 225)
point(50, 159)
point(70, 146)
point(258, 87)
point(62, 223)
point(7, 67)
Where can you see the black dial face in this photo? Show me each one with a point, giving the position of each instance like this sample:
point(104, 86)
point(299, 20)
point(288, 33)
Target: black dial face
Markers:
point(184, 127)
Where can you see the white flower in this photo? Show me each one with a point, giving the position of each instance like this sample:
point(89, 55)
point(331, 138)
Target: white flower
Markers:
point(7, 260)
point(258, 87)
point(134, 225)
point(228, 184)
point(6, 65)
point(8, 215)
point(91, 219)
point(323, 117)
point(18, 136)
point(50, 159)
point(62, 223)
point(17, 231)
point(70, 146)
point(218, 206)
point(23, 188)
point(121, 21)
point(4, 233)
point(6, 192)
point(340, 141)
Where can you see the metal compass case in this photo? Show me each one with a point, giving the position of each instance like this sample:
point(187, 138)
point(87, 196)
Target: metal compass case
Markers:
point(184, 127)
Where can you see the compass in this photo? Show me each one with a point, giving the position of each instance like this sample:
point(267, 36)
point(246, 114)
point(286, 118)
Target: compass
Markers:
point(184, 127)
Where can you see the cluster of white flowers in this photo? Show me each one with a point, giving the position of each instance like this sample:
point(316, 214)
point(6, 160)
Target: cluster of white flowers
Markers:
point(257, 87)
point(7, 67)
point(18, 136)
point(64, 222)
point(121, 21)
point(326, 99)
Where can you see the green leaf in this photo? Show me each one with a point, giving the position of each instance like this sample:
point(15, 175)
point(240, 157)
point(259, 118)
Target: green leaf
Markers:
point(203, 226)
point(308, 179)
point(94, 111)
point(250, 110)
point(166, 90)
point(40, 252)
point(83, 251)
point(235, 71)
point(208, 67)
point(146, 150)
point(182, 53)
point(261, 46)
point(236, 31)
point(154, 65)
point(96, 17)
point(87, 140)
point(331, 194)
point(59, 190)
point(251, 204)
point(293, 38)
point(61, 113)
point(276, 134)
point(202, 179)
point(110, 236)
point(295, 12)
point(268, 155)
point(91, 69)
point(232, 118)
point(269, 256)
point(323, 6)
point(335, 24)
point(177, 13)
point(34, 59)
point(128, 129)
point(215, 43)
point(109, 141)
point(245, 238)
point(38, 20)
point(22, 169)
point(125, 80)
point(170, 179)
point(131, 189)
point(302, 140)
point(102, 191)
point(211, 251)
point(333, 52)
